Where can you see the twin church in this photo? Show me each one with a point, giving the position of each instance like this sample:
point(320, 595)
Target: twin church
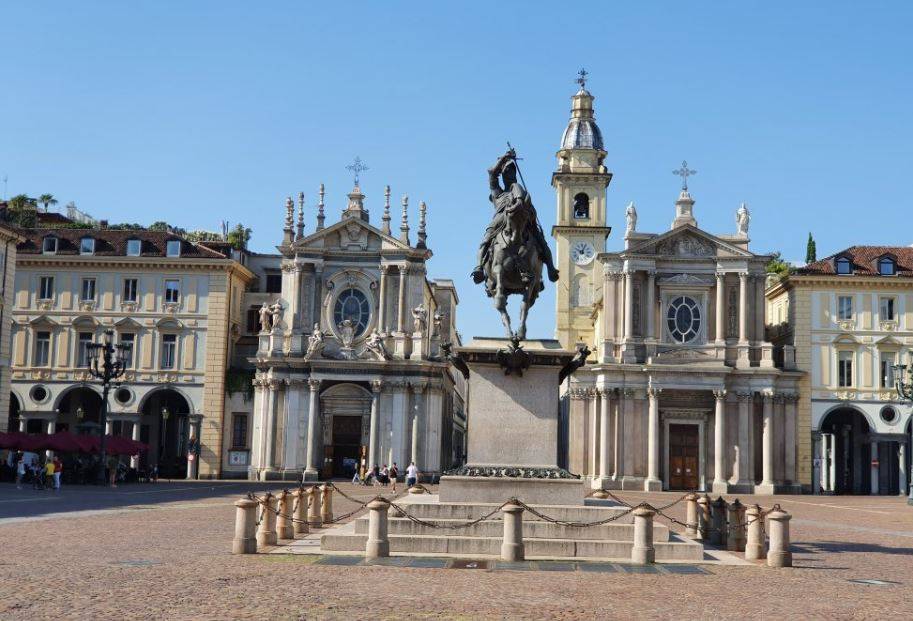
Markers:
point(683, 391)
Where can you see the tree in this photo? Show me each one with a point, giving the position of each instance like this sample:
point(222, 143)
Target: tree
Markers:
point(47, 200)
point(811, 250)
point(778, 266)
point(22, 211)
point(159, 225)
point(239, 236)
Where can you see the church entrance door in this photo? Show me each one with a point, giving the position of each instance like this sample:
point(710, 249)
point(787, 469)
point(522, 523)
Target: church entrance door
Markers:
point(684, 453)
point(346, 445)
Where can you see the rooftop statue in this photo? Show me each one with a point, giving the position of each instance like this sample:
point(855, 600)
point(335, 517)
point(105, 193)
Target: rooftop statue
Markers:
point(513, 249)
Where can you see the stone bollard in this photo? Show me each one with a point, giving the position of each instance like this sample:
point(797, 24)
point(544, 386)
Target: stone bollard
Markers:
point(313, 494)
point(245, 541)
point(512, 549)
point(703, 518)
point(284, 528)
point(601, 494)
point(326, 503)
point(754, 545)
point(378, 544)
point(417, 489)
point(718, 534)
point(735, 536)
point(691, 523)
point(266, 533)
point(301, 512)
point(778, 527)
point(643, 551)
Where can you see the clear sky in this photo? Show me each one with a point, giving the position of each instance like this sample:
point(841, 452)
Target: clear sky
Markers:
point(195, 112)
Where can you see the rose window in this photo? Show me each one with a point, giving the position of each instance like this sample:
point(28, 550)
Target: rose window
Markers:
point(352, 305)
point(683, 319)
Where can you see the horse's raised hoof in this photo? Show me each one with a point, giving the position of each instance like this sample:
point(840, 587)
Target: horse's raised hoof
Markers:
point(478, 275)
point(553, 275)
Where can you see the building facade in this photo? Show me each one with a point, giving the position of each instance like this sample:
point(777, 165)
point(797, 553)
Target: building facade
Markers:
point(682, 391)
point(8, 241)
point(349, 370)
point(850, 319)
point(175, 302)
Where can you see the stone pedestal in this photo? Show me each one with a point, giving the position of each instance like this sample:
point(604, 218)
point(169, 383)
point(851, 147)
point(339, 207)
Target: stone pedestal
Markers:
point(513, 418)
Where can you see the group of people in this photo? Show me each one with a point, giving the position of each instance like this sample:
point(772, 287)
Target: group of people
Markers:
point(382, 475)
point(29, 469)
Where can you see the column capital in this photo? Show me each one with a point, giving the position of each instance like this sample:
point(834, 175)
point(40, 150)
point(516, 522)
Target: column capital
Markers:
point(743, 275)
point(767, 396)
point(314, 384)
point(744, 396)
point(384, 268)
point(275, 383)
point(653, 391)
point(651, 272)
point(720, 275)
point(417, 388)
point(719, 394)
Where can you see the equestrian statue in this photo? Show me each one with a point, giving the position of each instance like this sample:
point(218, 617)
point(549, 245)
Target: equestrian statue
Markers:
point(513, 249)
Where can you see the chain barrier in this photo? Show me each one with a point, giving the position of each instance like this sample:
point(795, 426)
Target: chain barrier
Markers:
point(402, 513)
point(552, 520)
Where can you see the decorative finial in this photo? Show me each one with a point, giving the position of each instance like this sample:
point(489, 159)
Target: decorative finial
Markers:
point(320, 216)
point(385, 226)
point(422, 235)
point(289, 220)
point(300, 232)
point(404, 226)
point(357, 167)
point(684, 172)
point(581, 78)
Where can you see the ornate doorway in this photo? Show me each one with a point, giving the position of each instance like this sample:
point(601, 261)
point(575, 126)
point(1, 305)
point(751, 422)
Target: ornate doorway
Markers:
point(346, 411)
point(684, 457)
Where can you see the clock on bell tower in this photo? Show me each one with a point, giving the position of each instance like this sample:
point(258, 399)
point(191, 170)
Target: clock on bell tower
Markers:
point(580, 183)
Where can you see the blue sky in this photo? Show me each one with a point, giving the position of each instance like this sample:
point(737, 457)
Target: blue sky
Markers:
point(204, 111)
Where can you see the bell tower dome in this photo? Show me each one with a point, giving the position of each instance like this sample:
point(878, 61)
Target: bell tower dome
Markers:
point(580, 183)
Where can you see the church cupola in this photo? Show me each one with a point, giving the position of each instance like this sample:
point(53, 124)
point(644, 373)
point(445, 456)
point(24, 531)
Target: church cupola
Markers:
point(582, 132)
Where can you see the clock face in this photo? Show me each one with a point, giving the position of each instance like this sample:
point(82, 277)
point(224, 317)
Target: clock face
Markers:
point(583, 252)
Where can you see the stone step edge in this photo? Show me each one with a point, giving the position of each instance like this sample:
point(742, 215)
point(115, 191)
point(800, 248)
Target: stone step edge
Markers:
point(677, 542)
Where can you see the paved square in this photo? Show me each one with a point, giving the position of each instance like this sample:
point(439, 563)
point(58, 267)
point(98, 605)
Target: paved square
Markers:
point(119, 554)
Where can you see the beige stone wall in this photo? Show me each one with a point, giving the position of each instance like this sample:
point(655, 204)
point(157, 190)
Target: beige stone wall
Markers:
point(801, 307)
point(7, 282)
point(216, 362)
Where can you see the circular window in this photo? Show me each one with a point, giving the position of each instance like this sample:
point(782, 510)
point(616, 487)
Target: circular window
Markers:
point(353, 305)
point(123, 395)
point(683, 319)
point(38, 393)
point(889, 415)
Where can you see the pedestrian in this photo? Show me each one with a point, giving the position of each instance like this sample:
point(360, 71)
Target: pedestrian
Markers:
point(58, 471)
point(112, 471)
point(394, 473)
point(411, 475)
point(20, 471)
point(356, 480)
point(375, 475)
point(49, 473)
point(384, 476)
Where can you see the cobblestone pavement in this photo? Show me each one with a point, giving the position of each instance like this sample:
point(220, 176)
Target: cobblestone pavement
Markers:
point(171, 560)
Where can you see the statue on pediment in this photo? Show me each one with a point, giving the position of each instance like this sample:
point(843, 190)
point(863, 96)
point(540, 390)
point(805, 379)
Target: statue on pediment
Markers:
point(316, 343)
point(375, 345)
point(266, 318)
point(742, 219)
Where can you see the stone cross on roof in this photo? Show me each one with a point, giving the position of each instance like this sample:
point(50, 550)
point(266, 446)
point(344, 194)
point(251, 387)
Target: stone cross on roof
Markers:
point(684, 172)
point(357, 167)
point(581, 78)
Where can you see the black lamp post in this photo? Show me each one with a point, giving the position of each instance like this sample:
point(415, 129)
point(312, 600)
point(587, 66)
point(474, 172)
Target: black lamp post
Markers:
point(905, 392)
point(107, 362)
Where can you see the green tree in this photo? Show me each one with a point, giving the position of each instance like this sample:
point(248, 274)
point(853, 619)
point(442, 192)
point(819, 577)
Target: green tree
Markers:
point(159, 225)
point(239, 236)
point(22, 211)
point(778, 266)
point(47, 200)
point(811, 250)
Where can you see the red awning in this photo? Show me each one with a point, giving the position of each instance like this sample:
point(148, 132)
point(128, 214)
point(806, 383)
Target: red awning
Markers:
point(66, 442)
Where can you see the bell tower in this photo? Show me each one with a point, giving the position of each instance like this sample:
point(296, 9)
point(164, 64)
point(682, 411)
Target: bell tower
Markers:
point(580, 183)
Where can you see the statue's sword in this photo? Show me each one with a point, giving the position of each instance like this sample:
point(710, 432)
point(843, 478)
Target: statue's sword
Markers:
point(519, 172)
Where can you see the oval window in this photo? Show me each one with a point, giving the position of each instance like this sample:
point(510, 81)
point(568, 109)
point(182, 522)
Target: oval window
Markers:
point(353, 305)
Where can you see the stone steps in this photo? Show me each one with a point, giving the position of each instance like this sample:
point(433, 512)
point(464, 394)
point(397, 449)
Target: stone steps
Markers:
point(471, 511)
point(532, 529)
point(673, 550)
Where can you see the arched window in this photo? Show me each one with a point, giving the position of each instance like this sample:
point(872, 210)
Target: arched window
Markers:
point(843, 266)
point(581, 206)
point(886, 266)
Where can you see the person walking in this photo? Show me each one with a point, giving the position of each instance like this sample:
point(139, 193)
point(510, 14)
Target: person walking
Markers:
point(394, 473)
point(375, 475)
point(411, 475)
point(49, 473)
point(20, 471)
point(58, 471)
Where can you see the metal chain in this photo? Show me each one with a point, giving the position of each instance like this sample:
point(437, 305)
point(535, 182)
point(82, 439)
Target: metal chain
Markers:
point(402, 513)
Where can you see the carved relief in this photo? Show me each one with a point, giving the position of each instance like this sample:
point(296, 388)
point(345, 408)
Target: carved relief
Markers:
point(685, 246)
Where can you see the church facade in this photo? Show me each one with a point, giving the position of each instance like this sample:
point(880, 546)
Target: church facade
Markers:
point(349, 371)
point(682, 390)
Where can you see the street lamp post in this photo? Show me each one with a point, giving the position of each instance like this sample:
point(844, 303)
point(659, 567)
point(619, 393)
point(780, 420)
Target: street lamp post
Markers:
point(107, 362)
point(905, 392)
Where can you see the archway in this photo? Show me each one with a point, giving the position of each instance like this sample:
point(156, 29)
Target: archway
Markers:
point(853, 454)
point(165, 427)
point(80, 411)
point(346, 410)
point(12, 421)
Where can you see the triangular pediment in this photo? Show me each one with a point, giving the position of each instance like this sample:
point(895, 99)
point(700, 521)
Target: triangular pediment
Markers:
point(127, 323)
point(350, 234)
point(889, 342)
point(845, 339)
point(43, 320)
point(687, 242)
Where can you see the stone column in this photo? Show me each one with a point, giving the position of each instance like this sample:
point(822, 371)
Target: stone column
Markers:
point(760, 307)
point(604, 437)
point(378, 543)
point(51, 426)
point(653, 483)
point(432, 421)
point(650, 310)
point(382, 300)
point(134, 460)
point(629, 305)
point(822, 460)
point(743, 308)
point(512, 544)
point(874, 468)
point(312, 472)
point(618, 464)
point(720, 484)
point(643, 552)
point(902, 468)
point(193, 465)
point(417, 417)
point(593, 466)
point(767, 446)
point(746, 461)
point(401, 308)
point(832, 463)
point(317, 291)
point(720, 308)
point(374, 436)
point(269, 456)
point(789, 437)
